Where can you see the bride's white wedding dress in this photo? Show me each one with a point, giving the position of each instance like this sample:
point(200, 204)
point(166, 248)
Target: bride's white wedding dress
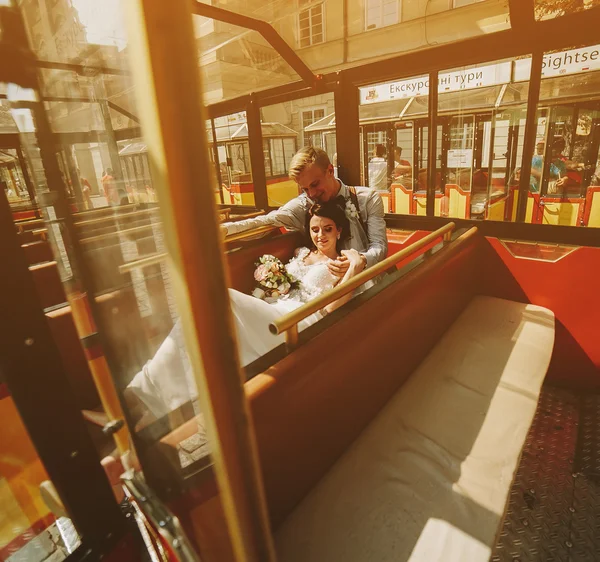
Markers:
point(166, 381)
point(253, 316)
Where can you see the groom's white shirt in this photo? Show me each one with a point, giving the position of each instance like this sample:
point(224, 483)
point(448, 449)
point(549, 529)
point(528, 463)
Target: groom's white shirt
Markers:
point(373, 243)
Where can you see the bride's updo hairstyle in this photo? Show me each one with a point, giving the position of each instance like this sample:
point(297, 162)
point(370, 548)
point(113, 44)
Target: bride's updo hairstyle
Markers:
point(335, 210)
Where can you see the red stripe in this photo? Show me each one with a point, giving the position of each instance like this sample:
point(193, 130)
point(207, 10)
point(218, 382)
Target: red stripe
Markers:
point(93, 352)
point(19, 542)
point(4, 392)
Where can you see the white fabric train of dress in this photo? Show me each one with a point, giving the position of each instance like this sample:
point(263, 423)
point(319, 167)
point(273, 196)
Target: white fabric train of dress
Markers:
point(166, 381)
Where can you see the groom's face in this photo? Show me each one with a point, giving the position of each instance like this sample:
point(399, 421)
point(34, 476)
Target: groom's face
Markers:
point(319, 185)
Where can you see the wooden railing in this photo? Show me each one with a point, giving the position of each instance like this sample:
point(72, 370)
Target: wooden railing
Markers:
point(157, 258)
point(289, 322)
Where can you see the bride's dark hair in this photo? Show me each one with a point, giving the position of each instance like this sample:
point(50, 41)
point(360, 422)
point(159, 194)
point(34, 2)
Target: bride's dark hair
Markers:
point(335, 210)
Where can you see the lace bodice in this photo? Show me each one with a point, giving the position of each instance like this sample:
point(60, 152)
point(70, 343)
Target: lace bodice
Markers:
point(314, 278)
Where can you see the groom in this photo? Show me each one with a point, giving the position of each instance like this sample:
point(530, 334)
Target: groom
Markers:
point(312, 170)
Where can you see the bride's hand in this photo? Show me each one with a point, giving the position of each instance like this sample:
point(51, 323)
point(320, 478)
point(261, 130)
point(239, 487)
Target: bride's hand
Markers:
point(355, 259)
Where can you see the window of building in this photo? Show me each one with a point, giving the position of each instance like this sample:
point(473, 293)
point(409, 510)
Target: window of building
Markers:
point(311, 28)
point(379, 13)
point(308, 117)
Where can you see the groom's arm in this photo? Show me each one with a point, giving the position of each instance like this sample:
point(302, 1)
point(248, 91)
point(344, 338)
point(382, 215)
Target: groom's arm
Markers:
point(377, 250)
point(291, 216)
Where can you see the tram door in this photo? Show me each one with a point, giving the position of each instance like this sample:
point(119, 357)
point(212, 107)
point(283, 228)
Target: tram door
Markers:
point(378, 155)
point(479, 154)
point(569, 160)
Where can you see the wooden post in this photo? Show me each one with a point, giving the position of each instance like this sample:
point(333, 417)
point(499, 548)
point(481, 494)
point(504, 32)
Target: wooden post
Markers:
point(169, 94)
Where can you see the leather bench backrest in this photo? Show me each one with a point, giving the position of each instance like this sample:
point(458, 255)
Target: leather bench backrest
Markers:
point(74, 361)
point(241, 261)
point(48, 284)
point(37, 252)
point(310, 406)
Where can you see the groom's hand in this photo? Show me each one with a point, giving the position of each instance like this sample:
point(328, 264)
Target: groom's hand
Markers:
point(338, 267)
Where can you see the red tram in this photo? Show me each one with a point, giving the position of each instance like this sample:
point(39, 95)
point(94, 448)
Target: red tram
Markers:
point(447, 412)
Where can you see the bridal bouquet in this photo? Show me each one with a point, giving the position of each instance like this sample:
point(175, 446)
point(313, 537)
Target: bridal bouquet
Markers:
point(272, 278)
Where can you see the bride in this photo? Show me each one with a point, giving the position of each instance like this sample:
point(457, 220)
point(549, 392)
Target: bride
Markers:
point(166, 381)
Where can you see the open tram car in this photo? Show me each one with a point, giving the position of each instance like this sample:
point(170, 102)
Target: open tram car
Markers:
point(450, 412)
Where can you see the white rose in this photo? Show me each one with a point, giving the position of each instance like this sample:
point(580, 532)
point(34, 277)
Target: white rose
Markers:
point(258, 293)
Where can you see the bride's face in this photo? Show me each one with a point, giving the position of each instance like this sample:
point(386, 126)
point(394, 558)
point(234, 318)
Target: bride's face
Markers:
point(324, 234)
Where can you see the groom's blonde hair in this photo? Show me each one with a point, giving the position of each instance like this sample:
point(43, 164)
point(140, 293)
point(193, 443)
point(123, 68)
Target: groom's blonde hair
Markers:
point(305, 157)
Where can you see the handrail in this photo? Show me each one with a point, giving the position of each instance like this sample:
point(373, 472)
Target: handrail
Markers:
point(153, 259)
point(146, 261)
point(250, 233)
point(236, 218)
point(116, 233)
point(117, 216)
point(289, 322)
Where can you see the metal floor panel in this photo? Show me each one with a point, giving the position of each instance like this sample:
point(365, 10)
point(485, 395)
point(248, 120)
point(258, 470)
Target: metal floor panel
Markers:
point(553, 513)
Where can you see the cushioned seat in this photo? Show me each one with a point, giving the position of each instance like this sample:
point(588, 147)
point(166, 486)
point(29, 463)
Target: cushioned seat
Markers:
point(429, 478)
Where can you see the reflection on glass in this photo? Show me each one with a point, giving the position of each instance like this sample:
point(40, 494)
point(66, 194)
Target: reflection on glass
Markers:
point(95, 166)
point(285, 128)
point(376, 29)
point(547, 9)
point(394, 125)
point(481, 110)
point(233, 153)
point(564, 173)
point(29, 530)
point(235, 61)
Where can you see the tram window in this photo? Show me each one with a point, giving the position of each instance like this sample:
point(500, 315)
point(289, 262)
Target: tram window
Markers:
point(13, 182)
point(267, 158)
point(135, 307)
point(388, 148)
point(28, 529)
point(379, 29)
point(564, 175)
point(285, 126)
point(481, 110)
point(233, 150)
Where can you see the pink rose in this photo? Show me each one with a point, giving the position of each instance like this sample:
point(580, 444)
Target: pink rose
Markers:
point(261, 273)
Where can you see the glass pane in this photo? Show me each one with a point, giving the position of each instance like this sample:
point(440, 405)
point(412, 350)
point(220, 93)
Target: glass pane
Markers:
point(296, 123)
point(29, 530)
point(389, 152)
point(374, 29)
point(235, 61)
point(546, 9)
point(234, 159)
point(481, 111)
point(95, 156)
point(15, 175)
point(565, 172)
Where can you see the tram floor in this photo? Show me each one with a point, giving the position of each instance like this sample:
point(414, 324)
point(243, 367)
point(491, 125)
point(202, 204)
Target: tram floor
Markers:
point(553, 514)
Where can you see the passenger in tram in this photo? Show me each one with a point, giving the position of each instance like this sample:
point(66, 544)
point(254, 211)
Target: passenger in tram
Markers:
point(110, 187)
point(166, 381)
point(378, 169)
point(312, 170)
point(539, 148)
point(402, 168)
point(595, 181)
point(558, 169)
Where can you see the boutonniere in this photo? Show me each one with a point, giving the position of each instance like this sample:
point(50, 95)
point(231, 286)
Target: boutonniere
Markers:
point(351, 210)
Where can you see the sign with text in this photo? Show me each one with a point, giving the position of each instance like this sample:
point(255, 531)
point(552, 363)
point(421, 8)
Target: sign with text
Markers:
point(466, 79)
point(572, 61)
point(460, 158)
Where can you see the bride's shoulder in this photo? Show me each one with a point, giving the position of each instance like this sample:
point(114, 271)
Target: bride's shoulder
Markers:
point(301, 253)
